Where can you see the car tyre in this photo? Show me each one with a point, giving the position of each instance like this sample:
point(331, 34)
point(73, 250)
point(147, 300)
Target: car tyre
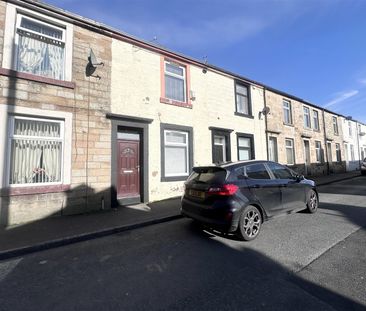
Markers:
point(250, 223)
point(312, 201)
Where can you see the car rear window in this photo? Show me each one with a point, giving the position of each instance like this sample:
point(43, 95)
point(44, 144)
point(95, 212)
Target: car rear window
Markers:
point(209, 175)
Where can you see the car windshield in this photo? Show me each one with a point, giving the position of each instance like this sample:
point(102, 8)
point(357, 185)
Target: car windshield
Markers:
point(208, 175)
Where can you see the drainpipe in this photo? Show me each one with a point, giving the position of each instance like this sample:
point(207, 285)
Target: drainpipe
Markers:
point(358, 146)
point(265, 121)
point(325, 143)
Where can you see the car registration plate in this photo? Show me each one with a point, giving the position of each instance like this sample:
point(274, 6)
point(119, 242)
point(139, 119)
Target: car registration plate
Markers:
point(196, 194)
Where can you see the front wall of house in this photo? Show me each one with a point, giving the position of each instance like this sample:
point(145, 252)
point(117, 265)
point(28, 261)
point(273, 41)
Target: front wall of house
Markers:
point(86, 159)
point(296, 131)
point(334, 138)
point(136, 91)
point(351, 140)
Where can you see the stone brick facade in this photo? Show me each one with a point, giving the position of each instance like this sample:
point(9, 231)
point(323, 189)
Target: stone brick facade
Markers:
point(86, 100)
point(334, 137)
point(297, 132)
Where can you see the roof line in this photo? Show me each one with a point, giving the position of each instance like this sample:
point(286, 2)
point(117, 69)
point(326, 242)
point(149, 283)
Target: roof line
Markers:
point(118, 34)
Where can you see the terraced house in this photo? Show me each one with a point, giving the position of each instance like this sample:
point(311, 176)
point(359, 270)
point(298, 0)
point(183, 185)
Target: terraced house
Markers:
point(54, 135)
point(91, 117)
point(78, 136)
point(296, 133)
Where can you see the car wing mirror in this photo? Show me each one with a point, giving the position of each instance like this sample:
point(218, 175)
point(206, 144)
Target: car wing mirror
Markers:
point(300, 177)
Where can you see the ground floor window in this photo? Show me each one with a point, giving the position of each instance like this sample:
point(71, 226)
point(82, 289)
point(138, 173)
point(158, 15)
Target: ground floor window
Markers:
point(245, 147)
point(36, 151)
point(290, 152)
point(329, 152)
point(176, 152)
point(338, 152)
point(318, 151)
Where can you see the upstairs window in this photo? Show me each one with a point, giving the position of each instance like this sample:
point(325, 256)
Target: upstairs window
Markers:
point(316, 120)
point(175, 81)
point(349, 128)
point(243, 106)
point(40, 48)
point(307, 123)
point(335, 126)
point(287, 114)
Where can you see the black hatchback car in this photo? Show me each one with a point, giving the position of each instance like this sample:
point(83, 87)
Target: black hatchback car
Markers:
point(238, 197)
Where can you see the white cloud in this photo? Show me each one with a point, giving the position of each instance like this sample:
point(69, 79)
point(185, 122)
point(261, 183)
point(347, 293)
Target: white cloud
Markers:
point(362, 81)
point(342, 97)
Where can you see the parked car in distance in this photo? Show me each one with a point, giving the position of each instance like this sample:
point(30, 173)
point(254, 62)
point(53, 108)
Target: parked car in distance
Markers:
point(363, 167)
point(239, 196)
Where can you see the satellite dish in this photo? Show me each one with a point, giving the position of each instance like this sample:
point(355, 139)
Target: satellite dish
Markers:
point(266, 110)
point(92, 65)
point(93, 60)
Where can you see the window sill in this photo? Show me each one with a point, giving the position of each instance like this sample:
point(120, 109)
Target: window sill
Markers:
point(244, 115)
point(13, 191)
point(288, 124)
point(175, 103)
point(35, 78)
point(174, 178)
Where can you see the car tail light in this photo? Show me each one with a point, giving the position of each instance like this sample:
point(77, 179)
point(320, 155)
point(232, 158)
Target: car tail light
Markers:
point(224, 190)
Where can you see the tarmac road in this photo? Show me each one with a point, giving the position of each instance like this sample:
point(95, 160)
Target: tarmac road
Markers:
point(299, 262)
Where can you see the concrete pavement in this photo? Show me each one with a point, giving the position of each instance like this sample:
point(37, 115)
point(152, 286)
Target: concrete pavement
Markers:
point(58, 231)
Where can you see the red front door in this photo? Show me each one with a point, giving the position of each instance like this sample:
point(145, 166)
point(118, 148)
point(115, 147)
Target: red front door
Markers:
point(128, 169)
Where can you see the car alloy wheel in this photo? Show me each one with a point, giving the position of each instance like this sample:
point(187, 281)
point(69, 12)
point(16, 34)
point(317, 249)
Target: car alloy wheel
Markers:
point(313, 202)
point(250, 223)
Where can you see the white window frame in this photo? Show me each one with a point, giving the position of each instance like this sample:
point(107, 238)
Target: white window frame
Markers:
point(12, 136)
point(287, 109)
point(335, 126)
point(307, 117)
point(318, 151)
point(350, 128)
point(223, 146)
point(316, 120)
point(184, 78)
point(272, 152)
point(62, 41)
point(292, 150)
point(338, 152)
point(250, 148)
point(352, 151)
point(238, 93)
point(11, 23)
point(329, 152)
point(171, 144)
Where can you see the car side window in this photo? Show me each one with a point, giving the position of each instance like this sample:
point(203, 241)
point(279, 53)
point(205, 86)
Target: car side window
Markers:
point(240, 173)
point(280, 171)
point(257, 171)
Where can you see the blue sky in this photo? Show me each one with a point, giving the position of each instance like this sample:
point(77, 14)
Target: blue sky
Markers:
point(315, 50)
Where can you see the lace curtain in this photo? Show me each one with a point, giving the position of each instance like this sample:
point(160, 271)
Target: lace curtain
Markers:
point(36, 152)
point(40, 57)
